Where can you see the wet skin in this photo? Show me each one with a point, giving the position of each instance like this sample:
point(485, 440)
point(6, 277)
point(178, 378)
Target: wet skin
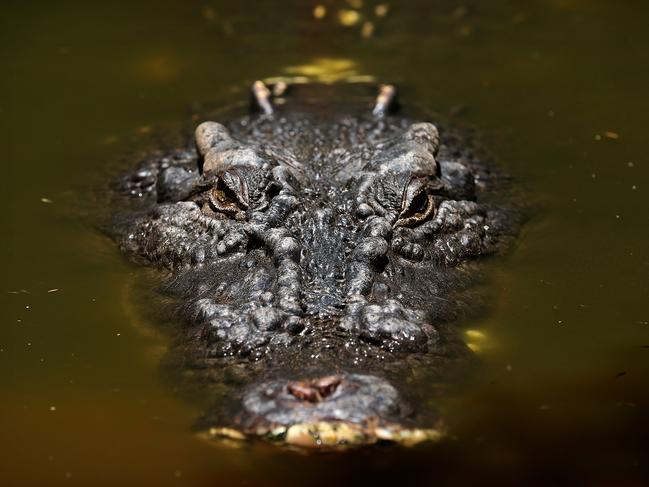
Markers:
point(317, 253)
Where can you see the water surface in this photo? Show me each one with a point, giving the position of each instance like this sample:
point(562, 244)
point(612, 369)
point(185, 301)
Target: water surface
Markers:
point(557, 87)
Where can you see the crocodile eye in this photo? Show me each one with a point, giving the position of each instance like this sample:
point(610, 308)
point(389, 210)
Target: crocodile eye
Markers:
point(229, 194)
point(417, 204)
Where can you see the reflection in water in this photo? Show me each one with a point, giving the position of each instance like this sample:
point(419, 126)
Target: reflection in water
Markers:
point(477, 340)
point(326, 70)
point(562, 394)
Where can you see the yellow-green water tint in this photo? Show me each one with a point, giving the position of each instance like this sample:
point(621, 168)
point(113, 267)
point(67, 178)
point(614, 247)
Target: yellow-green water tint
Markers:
point(557, 87)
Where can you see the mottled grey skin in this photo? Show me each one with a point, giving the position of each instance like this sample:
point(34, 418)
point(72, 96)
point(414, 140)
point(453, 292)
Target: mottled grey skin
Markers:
point(318, 241)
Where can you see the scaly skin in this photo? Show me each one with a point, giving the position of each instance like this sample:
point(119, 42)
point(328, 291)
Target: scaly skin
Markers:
point(317, 256)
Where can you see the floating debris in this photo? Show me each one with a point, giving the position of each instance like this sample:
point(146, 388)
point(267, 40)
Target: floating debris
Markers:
point(367, 30)
point(54, 290)
point(46, 200)
point(381, 10)
point(348, 18)
point(319, 12)
point(610, 135)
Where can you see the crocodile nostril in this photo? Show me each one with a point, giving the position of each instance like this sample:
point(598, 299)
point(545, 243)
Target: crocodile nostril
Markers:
point(303, 391)
point(328, 385)
point(314, 390)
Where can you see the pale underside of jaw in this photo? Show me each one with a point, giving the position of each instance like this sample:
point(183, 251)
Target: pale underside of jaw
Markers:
point(328, 435)
point(330, 412)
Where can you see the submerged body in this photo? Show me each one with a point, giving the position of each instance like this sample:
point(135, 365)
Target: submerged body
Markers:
point(316, 255)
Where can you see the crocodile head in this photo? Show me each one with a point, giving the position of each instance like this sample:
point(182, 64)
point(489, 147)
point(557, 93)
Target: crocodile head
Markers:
point(317, 256)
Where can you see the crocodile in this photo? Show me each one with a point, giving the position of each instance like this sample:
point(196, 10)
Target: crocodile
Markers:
point(315, 254)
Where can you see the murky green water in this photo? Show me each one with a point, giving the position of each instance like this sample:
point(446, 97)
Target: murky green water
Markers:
point(558, 87)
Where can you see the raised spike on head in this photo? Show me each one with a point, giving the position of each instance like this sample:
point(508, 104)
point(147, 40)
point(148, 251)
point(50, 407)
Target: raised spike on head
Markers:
point(210, 136)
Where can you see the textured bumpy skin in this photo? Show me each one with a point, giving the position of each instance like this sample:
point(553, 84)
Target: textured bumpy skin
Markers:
point(316, 258)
